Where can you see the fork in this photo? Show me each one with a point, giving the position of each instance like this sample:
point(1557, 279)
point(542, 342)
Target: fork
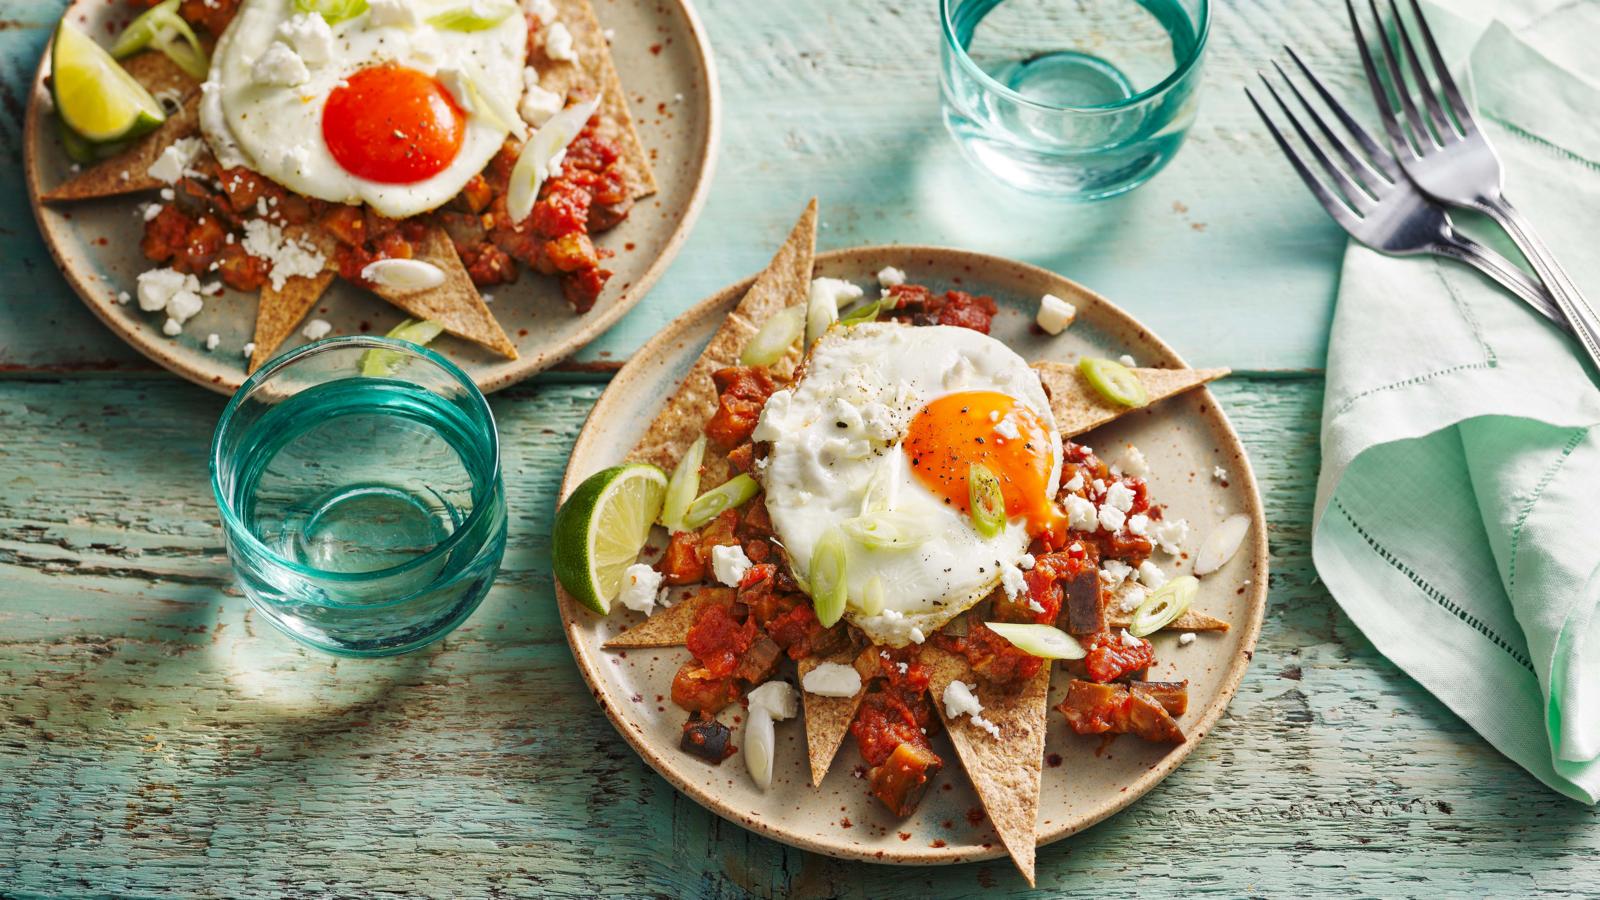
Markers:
point(1450, 159)
point(1374, 202)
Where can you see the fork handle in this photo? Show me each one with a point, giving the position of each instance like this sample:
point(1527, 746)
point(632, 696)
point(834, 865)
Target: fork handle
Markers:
point(1585, 324)
point(1506, 273)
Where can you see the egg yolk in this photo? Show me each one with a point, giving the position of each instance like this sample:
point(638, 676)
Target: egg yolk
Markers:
point(949, 435)
point(393, 125)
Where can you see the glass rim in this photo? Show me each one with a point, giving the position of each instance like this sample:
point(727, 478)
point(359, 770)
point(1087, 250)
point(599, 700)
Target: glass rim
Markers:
point(235, 526)
point(1179, 72)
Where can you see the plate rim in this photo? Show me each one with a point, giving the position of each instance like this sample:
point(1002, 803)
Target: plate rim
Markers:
point(149, 342)
point(663, 343)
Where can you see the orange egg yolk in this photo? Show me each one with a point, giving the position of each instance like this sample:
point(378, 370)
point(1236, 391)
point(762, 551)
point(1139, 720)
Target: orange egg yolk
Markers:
point(949, 435)
point(393, 125)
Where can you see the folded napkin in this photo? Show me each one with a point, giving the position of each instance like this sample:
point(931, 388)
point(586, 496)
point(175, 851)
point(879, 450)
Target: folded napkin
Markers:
point(1458, 508)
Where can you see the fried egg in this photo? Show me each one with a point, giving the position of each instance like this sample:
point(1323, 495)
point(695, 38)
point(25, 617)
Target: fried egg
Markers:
point(384, 108)
point(882, 428)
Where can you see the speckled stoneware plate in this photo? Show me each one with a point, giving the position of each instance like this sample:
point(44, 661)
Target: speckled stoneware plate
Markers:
point(664, 60)
point(1184, 438)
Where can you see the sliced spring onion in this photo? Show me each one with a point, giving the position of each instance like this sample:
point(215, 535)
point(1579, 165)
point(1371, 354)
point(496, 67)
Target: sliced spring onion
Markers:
point(828, 586)
point(888, 530)
point(1221, 544)
point(731, 494)
point(382, 363)
point(1043, 641)
point(533, 165)
point(683, 486)
point(775, 338)
point(883, 487)
point(491, 105)
point(866, 312)
point(987, 501)
point(162, 28)
point(334, 11)
point(1114, 381)
point(872, 597)
point(1165, 604)
point(760, 745)
point(822, 310)
point(476, 16)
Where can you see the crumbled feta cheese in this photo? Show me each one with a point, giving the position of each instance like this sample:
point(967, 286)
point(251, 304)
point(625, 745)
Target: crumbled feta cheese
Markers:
point(897, 629)
point(392, 13)
point(639, 586)
point(316, 330)
point(1097, 487)
point(831, 679)
point(777, 699)
point(1186, 639)
point(1112, 519)
point(538, 104)
point(543, 10)
point(151, 210)
point(174, 160)
point(213, 341)
point(310, 35)
point(249, 349)
point(289, 258)
point(959, 700)
point(1131, 597)
point(1012, 581)
point(1134, 463)
point(1169, 535)
point(1219, 473)
point(171, 328)
point(558, 44)
point(1076, 484)
point(1081, 514)
point(1120, 496)
point(123, 297)
point(986, 725)
point(1129, 640)
point(280, 66)
point(729, 564)
point(831, 294)
point(172, 291)
point(1139, 524)
point(1007, 428)
point(1035, 605)
point(1055, 314)
point(889, 276)
point(1026, 562)
point(1127, 360)
point(1151, 575)
point(1113, 572)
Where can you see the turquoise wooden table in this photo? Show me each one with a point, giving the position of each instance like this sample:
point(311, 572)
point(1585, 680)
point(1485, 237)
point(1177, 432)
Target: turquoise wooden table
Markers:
point(156, 739)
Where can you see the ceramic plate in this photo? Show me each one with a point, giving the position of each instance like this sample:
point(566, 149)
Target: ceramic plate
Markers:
point(1184, 438)
point(665, 63)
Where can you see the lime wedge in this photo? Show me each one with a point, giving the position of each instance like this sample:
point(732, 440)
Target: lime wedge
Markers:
point(382, 363)
point(602, 527)
point(95, 96)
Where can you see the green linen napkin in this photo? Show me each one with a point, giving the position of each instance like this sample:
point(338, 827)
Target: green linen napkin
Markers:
point(1458, 508)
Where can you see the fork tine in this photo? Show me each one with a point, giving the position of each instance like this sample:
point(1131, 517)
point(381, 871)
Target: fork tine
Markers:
point(1442, 129)
point(1375, 152)
point(1340, 213)
point(1458, 106)
point(1380, 95)
point(1413, 118)
point(1358, 198)
point(1358, 169)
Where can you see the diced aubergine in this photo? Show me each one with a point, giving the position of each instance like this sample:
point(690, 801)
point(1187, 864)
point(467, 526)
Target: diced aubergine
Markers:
point(904, 777)
point(1172, 695)
point(760, 661)
point(1084, 608)
point(708, 739)
point(1094, 708)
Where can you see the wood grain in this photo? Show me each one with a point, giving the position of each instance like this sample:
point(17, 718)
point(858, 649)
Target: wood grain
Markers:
point(155, 737)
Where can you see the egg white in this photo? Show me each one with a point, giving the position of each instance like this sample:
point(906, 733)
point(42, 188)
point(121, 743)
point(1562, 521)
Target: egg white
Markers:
point(277, 131)
point(844, 420)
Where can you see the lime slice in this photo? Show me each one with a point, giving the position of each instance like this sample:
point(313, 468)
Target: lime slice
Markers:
point(1114, 381)
point(382, 363)
point(95, 96)
point(602, 527)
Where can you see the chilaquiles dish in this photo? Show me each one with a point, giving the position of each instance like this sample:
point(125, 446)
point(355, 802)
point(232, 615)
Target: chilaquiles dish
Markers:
point(903, 516)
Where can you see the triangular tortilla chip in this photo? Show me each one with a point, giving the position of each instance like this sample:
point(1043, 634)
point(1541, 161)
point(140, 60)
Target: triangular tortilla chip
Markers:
point(667, 628)
point(784, 282)
point(1078, 407)
point(456, 304)
point(827, 718)
point(595, 73)
point(129, 171)
point(279, 311)
point(1006, 771)
point(1189, 621)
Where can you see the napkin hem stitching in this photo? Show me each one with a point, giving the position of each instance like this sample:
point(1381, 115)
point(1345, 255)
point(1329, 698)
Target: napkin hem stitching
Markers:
point(1538, 494)
point(1410, 382)
point(1546, 143)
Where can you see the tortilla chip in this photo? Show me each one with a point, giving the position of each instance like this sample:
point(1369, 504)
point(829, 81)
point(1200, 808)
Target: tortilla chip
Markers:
point(667, 628)
point(1079, 407)
point(827, 718)
point(1005, 771)
point(279, 312)
point(783, 283)
point(1189, 621)
point(456, 304)
point(129, 171)
point(595, 73)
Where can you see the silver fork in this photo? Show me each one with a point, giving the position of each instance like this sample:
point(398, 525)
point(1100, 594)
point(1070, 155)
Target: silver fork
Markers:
point(1450, 159)
point(1375, 203)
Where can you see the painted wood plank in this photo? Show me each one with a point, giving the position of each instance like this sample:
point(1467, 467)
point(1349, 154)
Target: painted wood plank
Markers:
point(155, 738)
point(1224, 253)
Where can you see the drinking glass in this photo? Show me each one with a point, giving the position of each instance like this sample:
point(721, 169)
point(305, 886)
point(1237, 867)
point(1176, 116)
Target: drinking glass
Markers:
point(361, 497)
point(1074, 99)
